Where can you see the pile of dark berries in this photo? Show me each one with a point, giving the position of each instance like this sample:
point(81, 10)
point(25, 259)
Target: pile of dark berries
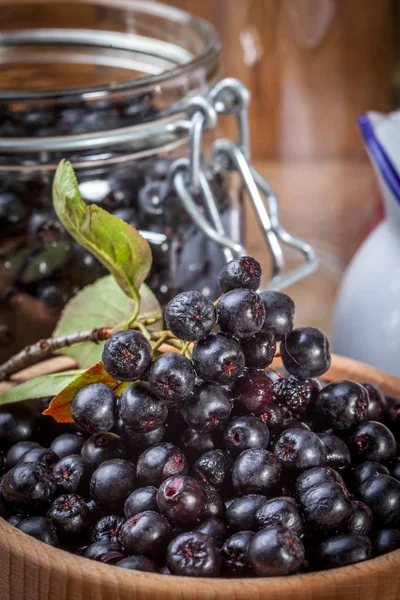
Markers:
point(214, 465)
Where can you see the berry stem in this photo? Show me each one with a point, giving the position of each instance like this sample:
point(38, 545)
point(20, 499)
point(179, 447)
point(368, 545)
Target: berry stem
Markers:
point(163, 338)
point(136, 298)
point(142, 328)
point(185, 348)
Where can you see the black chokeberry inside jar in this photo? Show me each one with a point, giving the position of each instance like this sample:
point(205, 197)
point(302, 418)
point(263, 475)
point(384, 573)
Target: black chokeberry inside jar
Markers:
point(103, 86)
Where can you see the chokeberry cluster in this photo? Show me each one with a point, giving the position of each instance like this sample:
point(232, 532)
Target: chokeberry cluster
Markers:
point(211, 463)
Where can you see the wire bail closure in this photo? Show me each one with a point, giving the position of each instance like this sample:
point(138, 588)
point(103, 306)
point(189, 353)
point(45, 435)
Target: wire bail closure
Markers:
point(188, 177)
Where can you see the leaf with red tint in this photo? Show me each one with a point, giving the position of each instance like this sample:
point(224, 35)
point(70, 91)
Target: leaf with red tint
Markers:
point(60, 406)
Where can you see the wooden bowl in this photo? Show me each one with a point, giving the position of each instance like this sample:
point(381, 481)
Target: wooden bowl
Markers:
point(30, 570)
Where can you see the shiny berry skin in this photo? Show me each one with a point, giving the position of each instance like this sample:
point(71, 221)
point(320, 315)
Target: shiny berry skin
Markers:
point(41, 528)
point(127, 355)
point(338, 455)
point(42, 456)
point(182, 500)
point(253, 391)
point(243, 272)
point(275, 551)
point(190, 316)
point(241, 513)
point(105, 551)
point(317, 476)
point(259, 350)
point(172, 377)
point(395, 469)
point(195, 443)
point(279, 313)
point(242, 433)
point(215, 506)
point(218, 359)
point(386, 540)
point(241, 313)
point(215, 529)
point(343, 549)
point(140, 441)
point(213, 469)
point(17, 423)
point(208, 409)
point(70, 515)
point(94, 408)
point(29, 485)
point(296, 395)
point(67, 444)
point(361, 520)
point(159, 462)
point(193, 554)
point(140, 410)
point(279, 511)
point(111, 484)
point(326, 506)
point(382, 494)
point(256, 471)
point(234, 554)
point(17, 450)
point(140, 500)
point(372, 441)
point(72, 474)
point(146, 533)
point(107, 528)
point(305, 353)
point(299, 449)
point(101, 447)
point(377, 403)
point(137, 563)
point(342, 404)
point(273, 417)
point(365, 470)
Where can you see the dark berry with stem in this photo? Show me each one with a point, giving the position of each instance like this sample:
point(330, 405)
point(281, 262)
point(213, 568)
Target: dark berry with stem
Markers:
point(140, 410)
point(29, 485)
point(279, 511)
point(72, 474)
point(182, 500)
point(338, 455)
point(326, 506)
point(343, 549)
point(101, 447)
point(159, 462)
point(137, 563)
point(361, 520)
point(275, 551)
point(193, 554)
point(241, 513)
point(253, 391)
point(365, 470)
point(256, 471)
point(104, 551)
point(234, 554)
point(386, 540)
point(372, 441)
point(377, 405)
point(382, 494)
point(208, 409)
point(195, 443)
point(241, 313)
point(305, 353)
point(190, 316)
point(140, 500)
point(245, 432)
point(94, 408)
point(42, 456)
point(299, 449)
point(172, 377)
point(218, 359)
point(41, 528)
point(298, 395)
point(259, 350)
point(111, 484)
point(214, 528)
point(107, 528)
point(70, 515)
point(17, 450)
point(279, 313)
point(215, 506)
point(273, 417)
point(127, 355)
point(146, 533)
point(67, 444)
point(342, 404)
point(244, 272)
point(213, 469)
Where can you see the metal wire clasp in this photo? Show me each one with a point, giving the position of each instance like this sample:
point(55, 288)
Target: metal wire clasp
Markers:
point(191, 183)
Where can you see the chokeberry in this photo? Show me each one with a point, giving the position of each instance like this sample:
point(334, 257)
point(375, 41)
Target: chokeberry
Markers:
point(241, 513)
point(29, 485)
point(215, 506)
point(245, 432)
point(365, 470)
point(67, 444)
point(342, 404)
point(103, 446)
point(373, 441)
point(213, 469)
point(317, 476)
point(140, 441)
point(273, 417)
point(182, 500)
point(259, 350)
point(298, 395)
point(107, 528)
point(104, 551)
point(72, 474)
point(190, 316)
point(279, 312)
point(193, 554)
point(146, 533)
point(395, 468)
point(140, 410)
point(42, 456)
point(94, 408)
point(141, 500)
point(111, 484)
point(256, 471)
point(127, 355)
point(137, 563)
point(361, 520)
point(17, 450)
point(382, 494)
point(279, 511)
point(299, 449)
point(70, 515)
point(172, 377)
point(305, 353)
point(159, 462)
point(214, 528)
point(326, 506)
point(195, 443)
point(253, 391)
point(241, 313)
point(209, 407)
point(17, 423)
point(275, 551)
point(243, 272)
point(218, 358)
point(343, 549)
point(377, 403)
point(386, 540)
point(41, 528)
point(338, 455)
point(234, 553)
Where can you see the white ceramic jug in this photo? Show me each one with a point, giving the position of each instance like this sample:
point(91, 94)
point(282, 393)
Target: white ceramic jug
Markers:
point(366, 323)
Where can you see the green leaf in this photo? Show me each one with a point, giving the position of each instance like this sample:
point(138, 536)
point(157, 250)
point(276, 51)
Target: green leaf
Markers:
point(102, 304)
point(117, 245)
point(60, 406)
point(40, 387)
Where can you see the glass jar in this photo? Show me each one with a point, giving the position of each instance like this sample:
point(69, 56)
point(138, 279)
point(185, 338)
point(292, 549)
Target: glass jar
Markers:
point(103, 84)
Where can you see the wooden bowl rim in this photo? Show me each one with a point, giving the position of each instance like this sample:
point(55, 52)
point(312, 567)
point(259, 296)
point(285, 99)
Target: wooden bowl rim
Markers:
point(56, 560)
